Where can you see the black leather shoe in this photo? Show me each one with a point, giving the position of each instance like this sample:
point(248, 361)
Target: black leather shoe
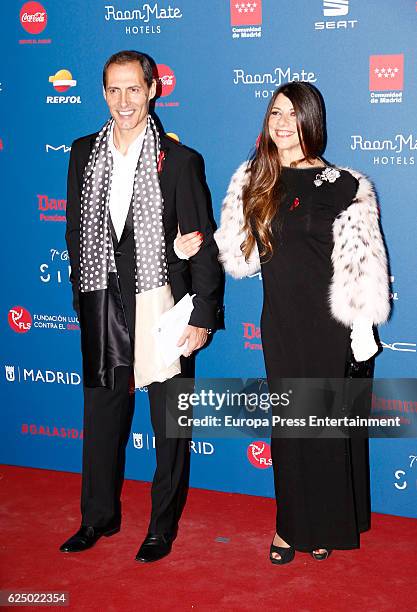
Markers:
point(86, 537)
point(154, 547)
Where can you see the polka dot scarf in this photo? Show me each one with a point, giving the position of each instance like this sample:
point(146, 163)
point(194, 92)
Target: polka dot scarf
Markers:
point(96, 245)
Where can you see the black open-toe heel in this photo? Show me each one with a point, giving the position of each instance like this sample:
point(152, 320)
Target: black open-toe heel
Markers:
point(286, 554)
point(321, 556)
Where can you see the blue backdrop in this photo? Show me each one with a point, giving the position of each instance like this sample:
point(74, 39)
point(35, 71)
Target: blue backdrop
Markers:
point(219, 62)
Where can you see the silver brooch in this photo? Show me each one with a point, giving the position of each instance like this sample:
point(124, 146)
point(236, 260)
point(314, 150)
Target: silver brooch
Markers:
point(328, 174)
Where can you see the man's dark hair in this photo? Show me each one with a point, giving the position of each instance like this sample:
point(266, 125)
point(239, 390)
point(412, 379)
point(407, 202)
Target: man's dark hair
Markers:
point(124, 57)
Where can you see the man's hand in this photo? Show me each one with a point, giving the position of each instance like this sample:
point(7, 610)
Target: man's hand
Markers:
point(196, 336)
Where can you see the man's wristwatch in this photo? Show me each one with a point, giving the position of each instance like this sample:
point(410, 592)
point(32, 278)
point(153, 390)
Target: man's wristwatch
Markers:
point(209, 331)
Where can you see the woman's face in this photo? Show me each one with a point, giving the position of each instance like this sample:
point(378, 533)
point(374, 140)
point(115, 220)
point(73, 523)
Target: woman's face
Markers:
point(282, 125)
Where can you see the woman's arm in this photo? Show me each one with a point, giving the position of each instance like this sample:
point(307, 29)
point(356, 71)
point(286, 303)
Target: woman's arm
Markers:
point(359, 292)
point(230, 234)
point(359, 288)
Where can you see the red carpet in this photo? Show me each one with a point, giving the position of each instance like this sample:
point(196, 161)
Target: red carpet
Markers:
point(40, 510)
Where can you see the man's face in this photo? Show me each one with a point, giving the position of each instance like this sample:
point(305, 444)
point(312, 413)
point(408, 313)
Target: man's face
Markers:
point(128, 95)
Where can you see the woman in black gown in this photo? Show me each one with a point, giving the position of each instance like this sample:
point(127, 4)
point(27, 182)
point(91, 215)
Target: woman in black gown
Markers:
point(314, 230)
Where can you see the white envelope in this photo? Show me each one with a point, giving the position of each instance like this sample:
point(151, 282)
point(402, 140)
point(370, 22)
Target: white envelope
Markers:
point(170, 328)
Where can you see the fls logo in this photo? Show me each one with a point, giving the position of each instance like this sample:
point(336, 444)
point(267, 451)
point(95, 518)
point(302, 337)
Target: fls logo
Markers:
point(259, 454)
point(20, 319)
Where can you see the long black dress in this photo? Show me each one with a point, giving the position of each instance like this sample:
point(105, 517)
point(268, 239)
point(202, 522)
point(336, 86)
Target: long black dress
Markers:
point(321, 485)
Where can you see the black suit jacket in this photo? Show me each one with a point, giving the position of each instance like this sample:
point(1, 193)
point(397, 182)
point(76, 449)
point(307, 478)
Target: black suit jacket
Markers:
point(109, 318)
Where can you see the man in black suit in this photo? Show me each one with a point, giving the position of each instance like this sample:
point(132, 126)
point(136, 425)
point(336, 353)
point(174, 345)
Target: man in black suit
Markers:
point(129, 189)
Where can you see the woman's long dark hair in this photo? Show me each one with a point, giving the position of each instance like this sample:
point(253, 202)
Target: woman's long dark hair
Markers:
point(261, 195)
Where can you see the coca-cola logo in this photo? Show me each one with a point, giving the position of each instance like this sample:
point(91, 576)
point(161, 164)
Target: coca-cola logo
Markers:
point(20, 319)
point(166, 81)
point(33, 17)
point(259, 454)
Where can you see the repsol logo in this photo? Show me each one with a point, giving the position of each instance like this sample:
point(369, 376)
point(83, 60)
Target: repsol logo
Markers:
point(63, 99)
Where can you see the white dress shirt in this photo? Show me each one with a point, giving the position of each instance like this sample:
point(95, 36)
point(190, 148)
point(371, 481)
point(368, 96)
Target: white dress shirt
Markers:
point(124, 167)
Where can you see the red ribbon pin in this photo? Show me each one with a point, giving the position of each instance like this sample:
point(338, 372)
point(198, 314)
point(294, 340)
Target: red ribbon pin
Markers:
point(160, 161)
point(295, 204)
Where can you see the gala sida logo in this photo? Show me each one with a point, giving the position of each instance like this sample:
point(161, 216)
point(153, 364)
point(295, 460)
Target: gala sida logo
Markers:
point(166, 80)
point(33, 17)
point(259, 454)
point(386, 72)
point(20, 319)
point(245, 13)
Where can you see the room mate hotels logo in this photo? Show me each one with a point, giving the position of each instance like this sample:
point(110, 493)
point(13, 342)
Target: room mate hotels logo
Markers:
point(265, 83)
point(388, 149)
point(146, 19)
point(62, 81)
point(246, 19)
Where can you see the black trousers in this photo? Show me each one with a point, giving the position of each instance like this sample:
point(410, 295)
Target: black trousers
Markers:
point(107, 421)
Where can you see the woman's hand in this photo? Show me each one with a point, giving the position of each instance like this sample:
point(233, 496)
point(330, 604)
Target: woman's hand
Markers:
point(188, 245)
